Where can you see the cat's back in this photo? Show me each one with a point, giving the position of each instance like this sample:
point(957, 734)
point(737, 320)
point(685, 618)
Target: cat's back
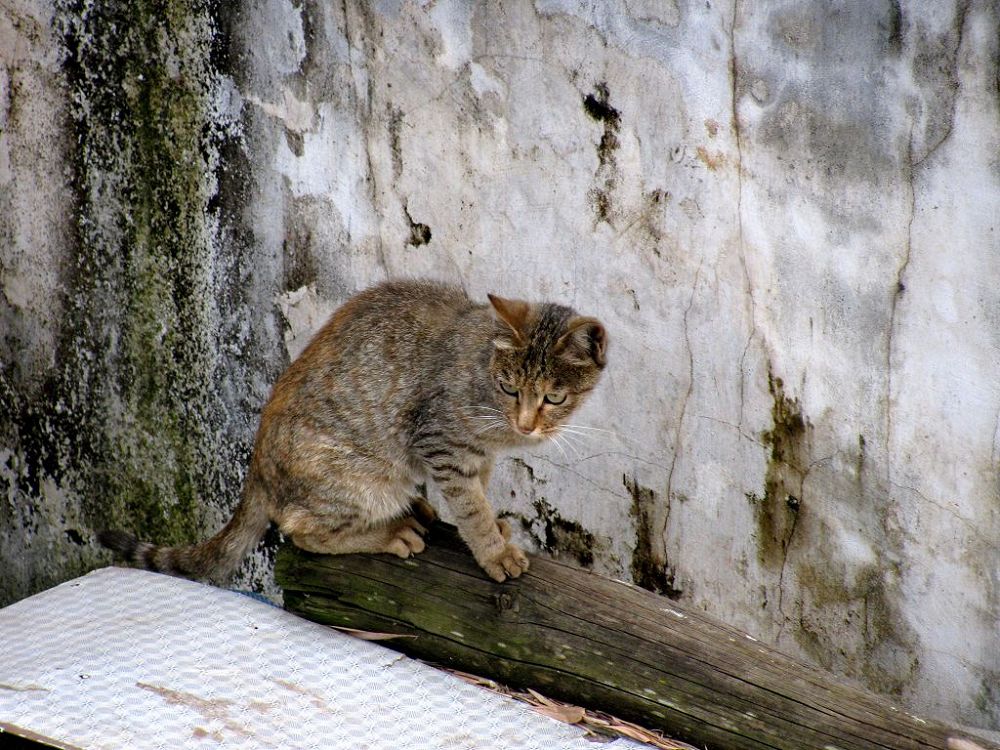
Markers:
point(400, 310)
point(390, 323)
point(421, 301)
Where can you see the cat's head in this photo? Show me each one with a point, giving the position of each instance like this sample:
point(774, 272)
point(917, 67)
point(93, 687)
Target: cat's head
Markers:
point(546, 359)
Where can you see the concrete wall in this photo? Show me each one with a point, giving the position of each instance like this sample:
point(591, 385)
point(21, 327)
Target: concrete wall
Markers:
point(786, 214)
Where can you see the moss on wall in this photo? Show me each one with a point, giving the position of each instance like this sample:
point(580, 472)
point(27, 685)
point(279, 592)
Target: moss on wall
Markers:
point(140, 74)
point(129, 421)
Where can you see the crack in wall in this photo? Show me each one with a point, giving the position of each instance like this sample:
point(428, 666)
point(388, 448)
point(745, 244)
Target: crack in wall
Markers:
point(784, 559)
point(733, 426)
point(912, 166)
point(660, 552)
point(579, 475)
point(795, 503)
point(972, 528)
point(897, 295)
point(734, 74)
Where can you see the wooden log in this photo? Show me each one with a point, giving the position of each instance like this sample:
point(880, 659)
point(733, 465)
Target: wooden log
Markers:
point(600, 644)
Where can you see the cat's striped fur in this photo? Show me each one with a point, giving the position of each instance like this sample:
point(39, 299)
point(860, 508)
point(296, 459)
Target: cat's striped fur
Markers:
point(408, 380)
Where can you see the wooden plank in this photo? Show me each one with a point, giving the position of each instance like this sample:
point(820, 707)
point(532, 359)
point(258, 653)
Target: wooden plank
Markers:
point(600, 644)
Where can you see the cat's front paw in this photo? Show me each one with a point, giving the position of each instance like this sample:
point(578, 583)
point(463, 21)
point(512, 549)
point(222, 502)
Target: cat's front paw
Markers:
point(509, 563)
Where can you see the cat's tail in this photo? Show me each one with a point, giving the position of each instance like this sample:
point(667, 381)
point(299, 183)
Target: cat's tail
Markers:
point(216, 558)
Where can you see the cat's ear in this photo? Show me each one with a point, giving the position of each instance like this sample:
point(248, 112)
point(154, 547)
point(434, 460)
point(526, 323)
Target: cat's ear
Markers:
point(514, 313)
point(584, 342)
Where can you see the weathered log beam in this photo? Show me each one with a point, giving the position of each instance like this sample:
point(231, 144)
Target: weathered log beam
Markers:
point(601, 644)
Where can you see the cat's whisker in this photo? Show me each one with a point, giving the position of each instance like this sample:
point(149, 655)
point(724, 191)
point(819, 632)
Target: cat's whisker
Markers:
point(560, 441)
point(573, 449)
point(581, 436)
point(489, 429)
point(572, 444)
point(555, 441)
point(591, 435)
point(491, 426)
point(572, 438)
point(481, 408)
point(592, 429)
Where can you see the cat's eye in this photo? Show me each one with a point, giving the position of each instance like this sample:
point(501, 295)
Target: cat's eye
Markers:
point(555, 398)
point(507, 388)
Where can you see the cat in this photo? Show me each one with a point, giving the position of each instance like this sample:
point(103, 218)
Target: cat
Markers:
point(407, 380)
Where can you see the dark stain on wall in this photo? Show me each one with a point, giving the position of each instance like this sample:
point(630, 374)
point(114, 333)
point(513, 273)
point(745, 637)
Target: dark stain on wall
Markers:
point(598, 107)
point(395, 123)
point(549, 530)
point(866, 600)
point(776, 514)
point(298, 251)
point(560, 536)
point(420, 234)
point(821, 595)
point(649, 568)
point(893, 28)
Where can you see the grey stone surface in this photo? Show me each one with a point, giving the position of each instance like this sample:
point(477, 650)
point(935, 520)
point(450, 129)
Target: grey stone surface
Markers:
point(786, 214)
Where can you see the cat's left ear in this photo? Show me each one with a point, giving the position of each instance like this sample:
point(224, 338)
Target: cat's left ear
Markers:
point(585, 342)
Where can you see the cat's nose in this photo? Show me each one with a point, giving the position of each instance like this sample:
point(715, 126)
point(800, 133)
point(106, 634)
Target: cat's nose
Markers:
point(525, 429)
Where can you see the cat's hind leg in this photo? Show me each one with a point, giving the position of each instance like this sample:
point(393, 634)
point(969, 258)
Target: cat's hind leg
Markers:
point(423, 511)
point(401, 537)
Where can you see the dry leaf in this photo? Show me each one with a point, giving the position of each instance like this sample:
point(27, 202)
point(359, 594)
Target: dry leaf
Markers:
point(474, 679)
point(366, 635)
point(568, 714)
point(541, 698)
point(595, 721)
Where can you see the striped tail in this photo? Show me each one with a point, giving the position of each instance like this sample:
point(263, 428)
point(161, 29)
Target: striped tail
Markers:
point(215, 559)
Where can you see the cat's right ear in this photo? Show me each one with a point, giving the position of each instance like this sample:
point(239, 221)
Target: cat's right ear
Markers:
point(514, 313)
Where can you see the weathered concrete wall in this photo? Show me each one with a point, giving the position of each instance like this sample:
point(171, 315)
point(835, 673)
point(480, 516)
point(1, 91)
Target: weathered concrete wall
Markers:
point(786, 213)
point(136, 348)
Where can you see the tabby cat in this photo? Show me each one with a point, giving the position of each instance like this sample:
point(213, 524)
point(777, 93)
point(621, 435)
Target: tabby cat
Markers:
point(407, 380)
